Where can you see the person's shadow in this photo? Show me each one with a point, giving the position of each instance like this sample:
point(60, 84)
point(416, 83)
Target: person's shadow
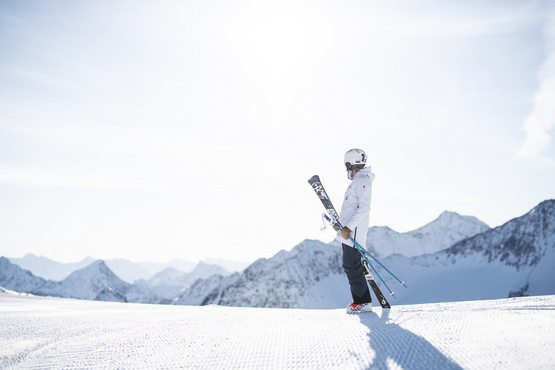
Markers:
point(394, 344)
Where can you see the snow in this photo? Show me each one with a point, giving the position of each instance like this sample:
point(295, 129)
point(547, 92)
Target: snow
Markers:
point(40, 332)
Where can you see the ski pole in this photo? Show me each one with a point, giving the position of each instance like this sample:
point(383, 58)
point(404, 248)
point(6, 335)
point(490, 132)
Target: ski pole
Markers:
point(362, 251)
point(372, 267)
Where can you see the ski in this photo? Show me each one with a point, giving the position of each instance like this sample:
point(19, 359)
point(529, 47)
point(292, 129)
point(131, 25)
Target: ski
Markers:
point(316, 184)
point(379, 295)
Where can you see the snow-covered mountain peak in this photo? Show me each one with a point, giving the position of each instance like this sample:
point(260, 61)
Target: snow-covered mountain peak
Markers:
point(205, 270)
point(519, 242)
point(202, 264)
point(94, 270)
point(170, 283)
point(449, 218)
point(297, 278)
point(453, 221)
point(545, 208)
point(441, 233)
point(167, 274)
point(48, 269)
point(448, 214)
point(232, 266)
point(4, 262)
point(15, 278)
point(514, 259)
point(524, 246)
point(88, 283)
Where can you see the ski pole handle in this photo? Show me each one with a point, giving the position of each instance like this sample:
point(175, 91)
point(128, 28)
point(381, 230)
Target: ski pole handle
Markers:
point(333, 222)
point(324, 218)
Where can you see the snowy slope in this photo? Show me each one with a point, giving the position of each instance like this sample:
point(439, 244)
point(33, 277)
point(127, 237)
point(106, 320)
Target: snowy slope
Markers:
point(514, 259)
point(231, 266)
point(57, 333)
point(206, 290)
point(15, 278)
point(309, 276)
point(443, 232)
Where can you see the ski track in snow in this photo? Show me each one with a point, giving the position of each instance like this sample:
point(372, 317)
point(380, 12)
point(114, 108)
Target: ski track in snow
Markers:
point(45, 333)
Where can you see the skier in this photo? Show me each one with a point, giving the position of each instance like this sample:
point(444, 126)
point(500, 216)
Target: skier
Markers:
point(355, 216)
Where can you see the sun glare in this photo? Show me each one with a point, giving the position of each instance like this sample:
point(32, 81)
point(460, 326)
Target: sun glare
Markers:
point(274, 41)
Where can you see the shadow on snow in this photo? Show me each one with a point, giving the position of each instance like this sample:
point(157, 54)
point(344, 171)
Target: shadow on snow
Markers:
point(392, 343)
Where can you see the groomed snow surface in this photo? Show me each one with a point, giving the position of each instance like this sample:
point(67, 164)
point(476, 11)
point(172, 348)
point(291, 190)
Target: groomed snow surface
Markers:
point(39, 333)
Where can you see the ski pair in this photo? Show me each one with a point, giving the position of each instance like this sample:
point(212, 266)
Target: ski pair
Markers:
point(366, 266)
point(333, 217)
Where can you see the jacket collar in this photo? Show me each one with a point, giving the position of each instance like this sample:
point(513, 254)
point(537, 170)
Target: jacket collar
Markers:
point(365, 171)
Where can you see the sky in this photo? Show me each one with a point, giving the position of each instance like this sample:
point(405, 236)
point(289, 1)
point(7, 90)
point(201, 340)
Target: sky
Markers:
point(188, 129)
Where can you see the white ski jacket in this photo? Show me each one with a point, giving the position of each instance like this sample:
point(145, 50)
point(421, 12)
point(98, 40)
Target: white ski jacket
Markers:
point(355, 211)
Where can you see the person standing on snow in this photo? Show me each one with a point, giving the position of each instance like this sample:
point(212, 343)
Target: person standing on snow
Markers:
point(355, 216)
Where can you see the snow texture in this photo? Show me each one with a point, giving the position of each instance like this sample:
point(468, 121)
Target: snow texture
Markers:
point(39, 332)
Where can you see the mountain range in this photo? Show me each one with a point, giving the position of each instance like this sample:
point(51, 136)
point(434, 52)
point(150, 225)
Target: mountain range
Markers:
point(126, 270)
point(446, 230)
point(97, 282)
point(514, 259)
point(453, 258)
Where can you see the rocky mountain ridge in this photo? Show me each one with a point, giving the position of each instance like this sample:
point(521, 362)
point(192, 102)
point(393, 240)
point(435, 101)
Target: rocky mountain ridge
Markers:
point(514, 259)
point(98, 282)
point(441, 233)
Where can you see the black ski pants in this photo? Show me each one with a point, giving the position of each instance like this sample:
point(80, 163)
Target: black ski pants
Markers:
point(355, 273)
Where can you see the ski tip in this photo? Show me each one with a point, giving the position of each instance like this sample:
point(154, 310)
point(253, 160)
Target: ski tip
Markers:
point(403, 284)
point(314, 178)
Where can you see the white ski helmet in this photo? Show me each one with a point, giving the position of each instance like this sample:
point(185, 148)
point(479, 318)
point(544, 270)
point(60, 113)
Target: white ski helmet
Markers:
point(355, 157)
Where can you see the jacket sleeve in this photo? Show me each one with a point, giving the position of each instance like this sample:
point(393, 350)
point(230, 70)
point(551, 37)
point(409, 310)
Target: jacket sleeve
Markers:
point(364, 193)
